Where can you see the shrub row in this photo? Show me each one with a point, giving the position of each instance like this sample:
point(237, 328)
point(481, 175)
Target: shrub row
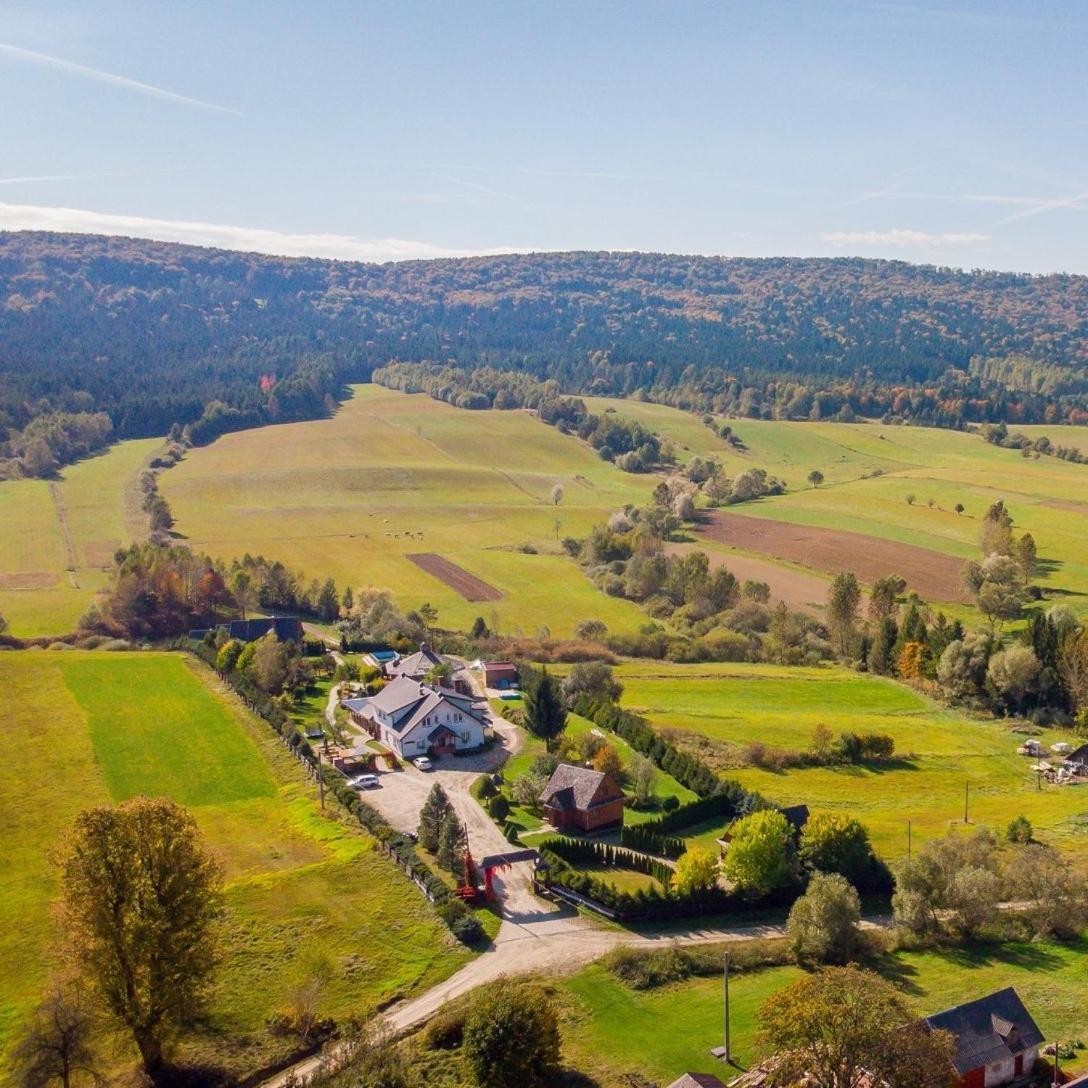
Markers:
point(687, 769)
point(639, 837)
point(462, 922)
point(582, 851)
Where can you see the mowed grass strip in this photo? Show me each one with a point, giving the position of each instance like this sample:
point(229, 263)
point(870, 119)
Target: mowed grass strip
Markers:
point(176, 740)
point(939, 753)
point(610, 1030)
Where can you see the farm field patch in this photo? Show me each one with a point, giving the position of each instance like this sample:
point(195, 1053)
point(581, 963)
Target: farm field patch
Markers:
point(393, 475)
point(939, 753)
point(460, 581)
point(304, 891)
point(610, 1030)
point(901, 484)
point(58, 537)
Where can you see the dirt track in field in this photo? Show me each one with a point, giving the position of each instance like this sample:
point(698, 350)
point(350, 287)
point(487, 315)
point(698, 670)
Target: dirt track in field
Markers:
point(935, 576)
point(457, 578)
point(30, 579)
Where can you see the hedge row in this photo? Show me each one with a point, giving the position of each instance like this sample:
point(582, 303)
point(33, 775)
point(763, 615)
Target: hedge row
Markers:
point(583, 851)
point(461, 921)
point(638, 837)
point(687, 769)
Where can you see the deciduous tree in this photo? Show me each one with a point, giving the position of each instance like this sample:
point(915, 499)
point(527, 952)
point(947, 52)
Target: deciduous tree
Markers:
point(842, 1026)
point(55, 1047)
point(511, 1036)
point(696, 870)
point(823, 923)
point(141, 902)
point(758, 858)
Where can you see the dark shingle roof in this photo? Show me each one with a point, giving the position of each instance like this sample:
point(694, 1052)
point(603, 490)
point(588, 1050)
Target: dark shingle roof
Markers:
point(575, 787)
point(287, 628)
point(988, 1030)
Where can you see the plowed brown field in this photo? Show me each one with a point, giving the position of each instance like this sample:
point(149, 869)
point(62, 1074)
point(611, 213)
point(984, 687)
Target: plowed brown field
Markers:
point(457, 578)
point(935, 576)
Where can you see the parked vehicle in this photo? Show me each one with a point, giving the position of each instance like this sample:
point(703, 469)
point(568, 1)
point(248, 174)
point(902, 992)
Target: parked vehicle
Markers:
point(314, 732)
point(364, 782)
point(423, 763)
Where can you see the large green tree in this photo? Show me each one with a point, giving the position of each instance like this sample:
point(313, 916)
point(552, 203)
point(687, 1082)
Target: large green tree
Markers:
point(758, 858)
point(823, 923)
point(843, 599)
point(843, 1027)
point(141, 905)
point(436, 810)
point(511, 1036)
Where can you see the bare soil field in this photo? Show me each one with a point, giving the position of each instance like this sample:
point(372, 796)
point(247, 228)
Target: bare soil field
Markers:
point(935, 576)
point(457, 578)
point(801, 591)
point(28, 579)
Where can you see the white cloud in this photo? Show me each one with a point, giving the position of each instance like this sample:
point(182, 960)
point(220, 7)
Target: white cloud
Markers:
point(249, 239)
point(905, 239)
point(98, 76)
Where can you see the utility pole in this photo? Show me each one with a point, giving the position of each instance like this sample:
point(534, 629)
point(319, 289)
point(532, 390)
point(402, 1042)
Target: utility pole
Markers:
point(966, 790)
point(724, 1053)
point(908, 840)
point(320, 781)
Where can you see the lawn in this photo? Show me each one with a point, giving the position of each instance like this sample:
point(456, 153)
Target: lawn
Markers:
point(58, 537)
point(1047, 497)
point(939, 751)
point(306, 892)
point(610, 1030)
point(394, 474)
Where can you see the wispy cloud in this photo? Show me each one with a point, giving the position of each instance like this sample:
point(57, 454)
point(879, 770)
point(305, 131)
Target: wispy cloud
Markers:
point(109, 78)
point(29, 178)
point(249, 239)
point(1075, 202)
point(903, 239)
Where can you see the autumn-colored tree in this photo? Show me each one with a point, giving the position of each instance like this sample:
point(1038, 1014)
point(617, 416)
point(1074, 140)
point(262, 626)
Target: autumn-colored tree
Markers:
point(607, 761)
point(911, 660)
point(696, 870)
point(141, 899)
point(842, 1027)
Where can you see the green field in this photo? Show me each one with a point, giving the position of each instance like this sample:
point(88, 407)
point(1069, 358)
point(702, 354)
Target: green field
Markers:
point(938, 751)
point(91, 728)
point(393, 474)
point(57, 538)
point(610, 1030)
point(1046, 496)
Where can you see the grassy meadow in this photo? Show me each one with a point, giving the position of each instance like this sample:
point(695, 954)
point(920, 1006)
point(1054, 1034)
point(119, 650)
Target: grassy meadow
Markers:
point(610, 1030)
point(394, 474)
point(937, 751)
point(307, 895)
point(1046, 496)
point(57, 538)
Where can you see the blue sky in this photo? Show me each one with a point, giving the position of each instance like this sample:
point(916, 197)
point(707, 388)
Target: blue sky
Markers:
point(954, 133)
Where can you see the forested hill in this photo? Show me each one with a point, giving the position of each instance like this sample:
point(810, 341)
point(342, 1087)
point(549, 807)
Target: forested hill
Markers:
point(154, 333)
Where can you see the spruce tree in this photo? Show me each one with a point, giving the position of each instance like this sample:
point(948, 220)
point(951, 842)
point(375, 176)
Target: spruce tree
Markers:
point(328, 605)
point(452, 843)
point(432, 817)
point(545, 711)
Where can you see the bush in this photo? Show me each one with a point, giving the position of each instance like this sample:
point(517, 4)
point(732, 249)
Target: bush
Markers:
point(511, 1036)
point(671, 803)
point(447, 1028)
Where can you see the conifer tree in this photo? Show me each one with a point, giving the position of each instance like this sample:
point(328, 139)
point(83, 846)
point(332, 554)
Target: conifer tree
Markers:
point(452, 842)
point(432, 817)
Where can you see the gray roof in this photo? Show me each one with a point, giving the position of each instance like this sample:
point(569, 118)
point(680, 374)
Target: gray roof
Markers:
point(418, 664)
point(990, 1029)
point(697, 1080)
point(408, 702)
point(574, 787)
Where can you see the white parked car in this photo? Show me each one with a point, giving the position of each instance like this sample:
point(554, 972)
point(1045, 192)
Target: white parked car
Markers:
point(364, 782)
point(423, 763)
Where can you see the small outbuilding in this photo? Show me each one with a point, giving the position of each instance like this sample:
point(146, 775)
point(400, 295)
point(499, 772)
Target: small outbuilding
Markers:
point(996, 1040)
point(1077, 760)
point(500, 674)
point(582, 799)
point(415, 666)
point(697, 1080)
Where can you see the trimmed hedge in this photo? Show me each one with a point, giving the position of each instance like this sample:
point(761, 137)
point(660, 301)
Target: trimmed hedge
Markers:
point(582, 851)
point(462, 922)
point(641, 837)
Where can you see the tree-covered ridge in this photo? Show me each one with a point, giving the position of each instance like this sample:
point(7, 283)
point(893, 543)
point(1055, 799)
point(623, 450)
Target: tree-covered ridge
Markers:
point(156, 333)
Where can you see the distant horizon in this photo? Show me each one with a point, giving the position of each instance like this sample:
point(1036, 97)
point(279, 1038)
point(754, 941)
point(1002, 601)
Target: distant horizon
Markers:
point(514, 252)
point(948, 133)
